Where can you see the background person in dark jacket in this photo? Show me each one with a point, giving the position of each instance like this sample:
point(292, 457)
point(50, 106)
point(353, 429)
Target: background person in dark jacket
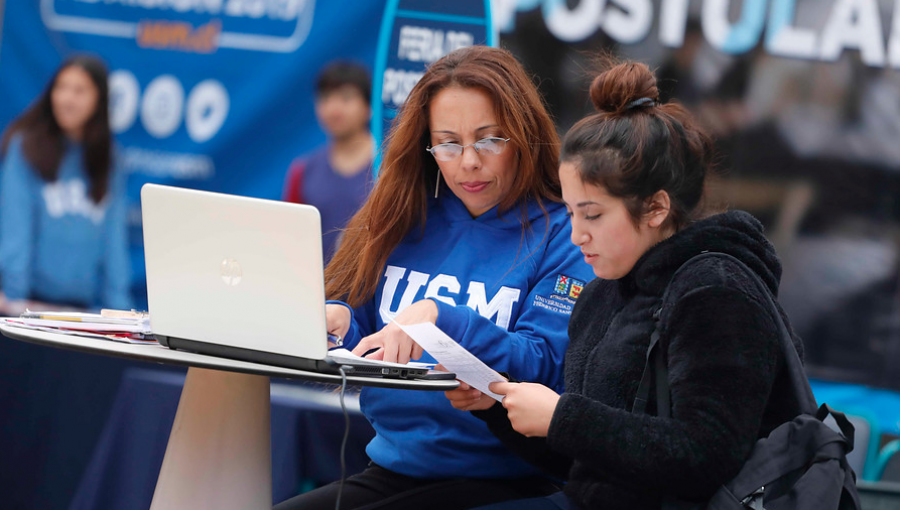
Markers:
point(633, 177)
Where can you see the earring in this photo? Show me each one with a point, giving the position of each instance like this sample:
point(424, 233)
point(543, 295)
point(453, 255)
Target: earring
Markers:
point(437, 183)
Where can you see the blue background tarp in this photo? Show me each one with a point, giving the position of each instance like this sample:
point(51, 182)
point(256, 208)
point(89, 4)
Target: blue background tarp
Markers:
point(250, 115)
point(230, 119)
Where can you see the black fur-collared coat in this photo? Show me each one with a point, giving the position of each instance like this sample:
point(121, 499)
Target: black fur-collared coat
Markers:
point(724, 358)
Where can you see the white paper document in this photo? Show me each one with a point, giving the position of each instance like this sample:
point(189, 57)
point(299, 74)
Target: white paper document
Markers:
point(138, 323)
point(87, 326)
point(454, 357)
point(128, 339)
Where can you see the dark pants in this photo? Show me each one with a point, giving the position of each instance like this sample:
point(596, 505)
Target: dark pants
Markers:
point(558, 501)
point(377, 488)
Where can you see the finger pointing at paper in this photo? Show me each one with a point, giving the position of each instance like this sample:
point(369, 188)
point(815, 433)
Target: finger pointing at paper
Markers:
point(529, 406)
point(393, 344)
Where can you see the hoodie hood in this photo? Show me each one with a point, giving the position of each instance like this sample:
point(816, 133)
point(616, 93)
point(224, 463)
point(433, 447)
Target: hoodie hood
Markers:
point(736, 233)
point(453, 209)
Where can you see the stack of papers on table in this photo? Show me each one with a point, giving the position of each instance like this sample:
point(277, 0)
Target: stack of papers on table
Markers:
point(120, 326)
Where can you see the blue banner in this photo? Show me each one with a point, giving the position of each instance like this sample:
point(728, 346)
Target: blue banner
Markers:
point(415, 33)
point(208, 94)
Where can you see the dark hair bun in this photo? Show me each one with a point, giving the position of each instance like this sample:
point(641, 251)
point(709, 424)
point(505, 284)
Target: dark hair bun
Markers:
point(614, 89)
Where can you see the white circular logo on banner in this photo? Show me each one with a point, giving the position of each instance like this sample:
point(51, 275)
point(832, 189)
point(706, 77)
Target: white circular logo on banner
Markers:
point(162, 106)
point(207, 108)
point(124, 93)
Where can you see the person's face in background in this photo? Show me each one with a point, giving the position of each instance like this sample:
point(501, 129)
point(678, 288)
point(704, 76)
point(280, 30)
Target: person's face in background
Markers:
point(73, 99)
point(343, 112)
point(464, 116)
point(603, 228)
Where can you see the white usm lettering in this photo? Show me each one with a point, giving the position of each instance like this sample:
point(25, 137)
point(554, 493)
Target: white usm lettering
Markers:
point(501, 305)
point(443, 281)
point(70, 197)
point(393, 274)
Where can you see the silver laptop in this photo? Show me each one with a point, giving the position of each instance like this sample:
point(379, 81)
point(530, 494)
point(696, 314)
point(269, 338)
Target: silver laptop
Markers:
point(241, 278)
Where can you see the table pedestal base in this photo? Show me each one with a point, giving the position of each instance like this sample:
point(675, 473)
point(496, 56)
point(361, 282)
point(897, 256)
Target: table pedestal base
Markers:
point(219, 452)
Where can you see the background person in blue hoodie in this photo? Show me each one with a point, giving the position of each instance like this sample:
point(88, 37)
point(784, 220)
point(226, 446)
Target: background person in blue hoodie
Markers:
point(62, 221)
point(633, 177)
point(464, 229)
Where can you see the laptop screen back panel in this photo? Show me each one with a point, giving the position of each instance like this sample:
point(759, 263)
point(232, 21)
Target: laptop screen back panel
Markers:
point(234, 271)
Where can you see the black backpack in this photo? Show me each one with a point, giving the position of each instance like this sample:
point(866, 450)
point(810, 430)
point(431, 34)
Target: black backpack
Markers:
point(801, 465)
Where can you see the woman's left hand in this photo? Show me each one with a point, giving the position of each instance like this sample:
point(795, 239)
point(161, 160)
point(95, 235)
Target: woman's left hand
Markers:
point(392, 343)
point(467, 398)
point(529, 406)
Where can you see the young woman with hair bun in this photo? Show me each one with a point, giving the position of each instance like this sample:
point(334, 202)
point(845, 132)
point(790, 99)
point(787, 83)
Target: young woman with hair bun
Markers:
point(632, 179)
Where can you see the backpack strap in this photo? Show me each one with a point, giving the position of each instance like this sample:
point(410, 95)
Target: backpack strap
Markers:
point(843, 423)
point(661, 373)
point(656, 368)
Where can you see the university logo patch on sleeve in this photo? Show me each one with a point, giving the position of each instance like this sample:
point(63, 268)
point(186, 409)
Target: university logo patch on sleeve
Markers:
point(575, 289)
point(563, 296)
point(568, 286)
point(562, 284)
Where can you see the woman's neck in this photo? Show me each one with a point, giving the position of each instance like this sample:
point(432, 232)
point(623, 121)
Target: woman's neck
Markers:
point(74, 135)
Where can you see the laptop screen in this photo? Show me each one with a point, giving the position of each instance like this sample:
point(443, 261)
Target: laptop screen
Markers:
point(234, 271)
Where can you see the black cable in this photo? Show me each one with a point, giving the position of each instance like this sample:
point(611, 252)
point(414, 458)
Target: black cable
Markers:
point(337, 504)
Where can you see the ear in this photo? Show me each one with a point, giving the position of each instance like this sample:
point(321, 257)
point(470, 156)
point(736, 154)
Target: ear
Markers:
point(658, 207)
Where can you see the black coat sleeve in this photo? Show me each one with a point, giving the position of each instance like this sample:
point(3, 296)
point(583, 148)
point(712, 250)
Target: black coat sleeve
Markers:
point(723, 354)
point(534, 450)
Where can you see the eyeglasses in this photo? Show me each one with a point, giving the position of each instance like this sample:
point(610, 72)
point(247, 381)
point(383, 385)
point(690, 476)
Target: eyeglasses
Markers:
point(450, 151)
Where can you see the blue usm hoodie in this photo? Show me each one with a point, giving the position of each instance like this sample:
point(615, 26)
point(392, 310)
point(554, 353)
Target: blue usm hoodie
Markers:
point(56, 244)
point(503, 296)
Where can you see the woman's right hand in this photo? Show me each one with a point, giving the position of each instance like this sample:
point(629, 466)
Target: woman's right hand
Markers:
point(337, 319)
point(467, 398)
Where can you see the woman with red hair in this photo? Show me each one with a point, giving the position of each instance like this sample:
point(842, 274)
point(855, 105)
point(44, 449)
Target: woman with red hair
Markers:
point(464, 229)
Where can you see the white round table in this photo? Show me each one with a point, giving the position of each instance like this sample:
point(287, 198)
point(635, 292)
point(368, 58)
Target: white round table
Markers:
point(219, 452)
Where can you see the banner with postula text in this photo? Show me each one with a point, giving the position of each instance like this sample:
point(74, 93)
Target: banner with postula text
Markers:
point(207, 94)
point(415, 33)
